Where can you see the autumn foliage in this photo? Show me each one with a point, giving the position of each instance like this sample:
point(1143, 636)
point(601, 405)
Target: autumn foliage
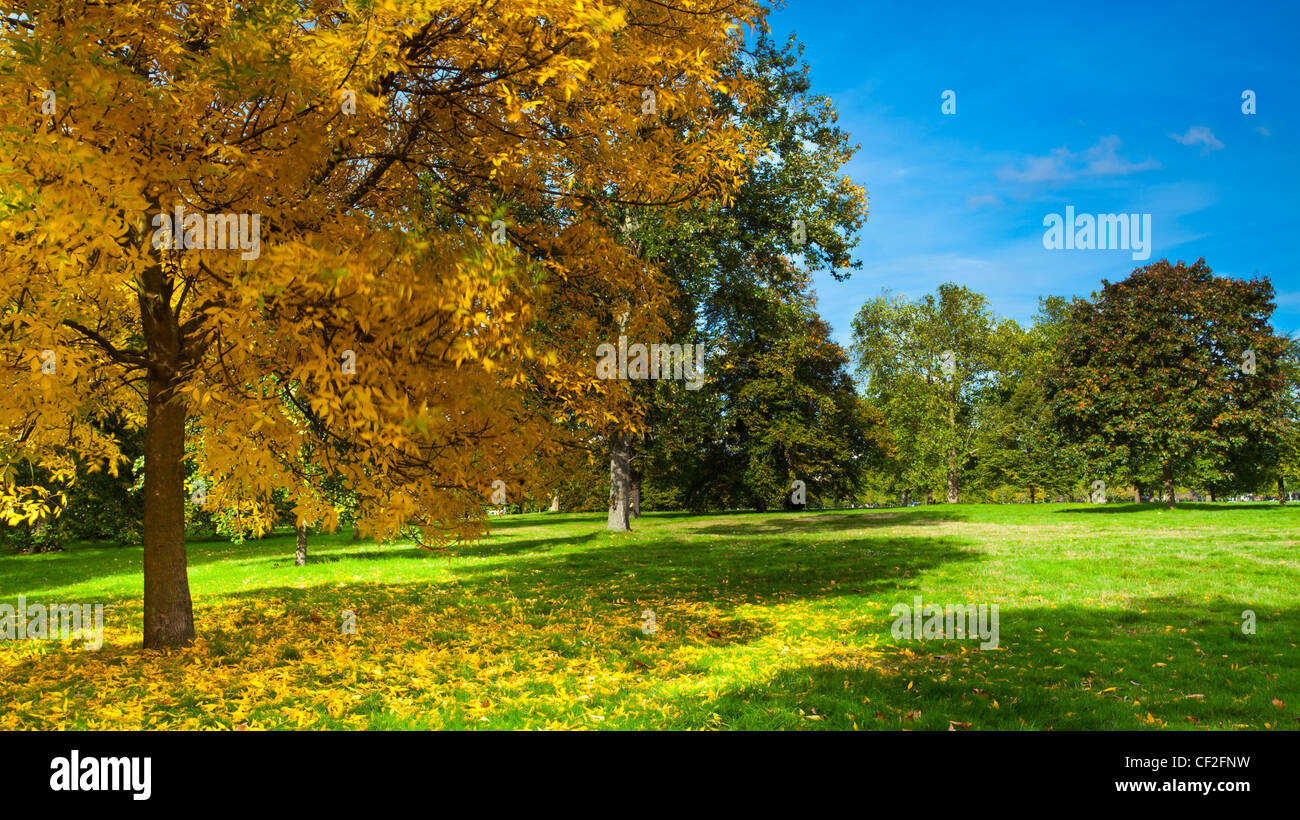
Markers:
point(435, 257)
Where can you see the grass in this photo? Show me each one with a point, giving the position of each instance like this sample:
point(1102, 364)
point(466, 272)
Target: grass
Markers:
point(1121, 616)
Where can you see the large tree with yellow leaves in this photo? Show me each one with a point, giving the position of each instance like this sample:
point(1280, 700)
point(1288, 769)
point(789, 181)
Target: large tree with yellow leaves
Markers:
point(375, 232)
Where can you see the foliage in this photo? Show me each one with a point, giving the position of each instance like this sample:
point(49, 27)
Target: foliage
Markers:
point(1151, 376)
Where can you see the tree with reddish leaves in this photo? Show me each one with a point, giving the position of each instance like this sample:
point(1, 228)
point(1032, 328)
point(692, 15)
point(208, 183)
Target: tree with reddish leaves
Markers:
point(1172, 371)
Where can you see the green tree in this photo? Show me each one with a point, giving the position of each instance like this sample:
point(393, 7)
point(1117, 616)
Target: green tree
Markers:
point(929, 366)
point(1023, 446)
point(743, 294)
point(1154, 374)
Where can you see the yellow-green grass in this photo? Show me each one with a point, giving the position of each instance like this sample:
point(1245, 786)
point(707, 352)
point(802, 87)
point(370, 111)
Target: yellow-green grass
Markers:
point(1111, 617)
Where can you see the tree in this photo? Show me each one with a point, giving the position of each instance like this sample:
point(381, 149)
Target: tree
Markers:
point(370, 212)
point(1022, 445)
point(741, 273)
point(928, 365)
point(1170, 371)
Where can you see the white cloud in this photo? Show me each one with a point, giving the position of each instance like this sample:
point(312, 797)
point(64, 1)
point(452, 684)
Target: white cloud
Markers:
point(1199, 135)
point(1062, 165)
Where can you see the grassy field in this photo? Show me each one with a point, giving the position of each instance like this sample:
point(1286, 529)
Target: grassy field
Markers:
point(1111, 617)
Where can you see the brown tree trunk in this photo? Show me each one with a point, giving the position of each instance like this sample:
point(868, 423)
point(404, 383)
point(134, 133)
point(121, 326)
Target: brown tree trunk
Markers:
point(620, 482)
point(907, 497)
point(168, 611)
point(1281, 491)
point(300, 557)
point(1210, 493)
point(1170, 500)
point(1137, 494)
point(1031, 493)
point(929, 496)
point(356, 532)
point(636, 498)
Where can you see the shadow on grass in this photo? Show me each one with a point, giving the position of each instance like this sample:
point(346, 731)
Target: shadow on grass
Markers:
point(768, 523)
point(620, 579)
point(483, 549)
point(1129, 507)
point(1165, 663)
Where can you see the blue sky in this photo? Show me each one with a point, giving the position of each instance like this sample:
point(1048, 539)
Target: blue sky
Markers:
point(1108, 107)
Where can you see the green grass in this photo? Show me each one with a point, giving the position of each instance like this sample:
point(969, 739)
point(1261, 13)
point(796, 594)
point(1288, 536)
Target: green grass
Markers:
point(1111, 617)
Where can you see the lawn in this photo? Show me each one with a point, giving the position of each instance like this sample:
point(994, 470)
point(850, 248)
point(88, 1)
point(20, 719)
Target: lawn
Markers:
point(1120, 616)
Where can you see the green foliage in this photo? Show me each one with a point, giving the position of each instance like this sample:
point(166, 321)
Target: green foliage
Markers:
point(1150, 378)
point(778, 404)
point(930, 366)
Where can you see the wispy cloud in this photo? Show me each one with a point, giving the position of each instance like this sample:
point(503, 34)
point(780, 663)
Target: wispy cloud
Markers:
point(982, 200)
point(1063, 165)
point(1199, 135)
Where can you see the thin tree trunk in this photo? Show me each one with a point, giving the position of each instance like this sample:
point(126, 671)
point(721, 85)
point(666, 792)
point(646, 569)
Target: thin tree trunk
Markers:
point(1031, 493)
point(1211, 494)
point(356, 532)
point(953, 479)
point(636, 497)
point(168, 611)
point(620, 482)
point(1281, 491)
point(300, 557)
point(1169, 486)
point(929, 496)
point(907, 496)
point(1137, 494)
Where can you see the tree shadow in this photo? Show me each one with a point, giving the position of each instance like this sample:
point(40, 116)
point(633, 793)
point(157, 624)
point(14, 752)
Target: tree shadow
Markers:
point(766, 523)
point(1130, 507)
point(621, 579)
point(1162, 663)
point(724, 573)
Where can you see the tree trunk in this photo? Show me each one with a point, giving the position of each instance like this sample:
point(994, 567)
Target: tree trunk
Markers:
point(1031, 493)
point(555, 503)
point(1137, 493)
point(907, 496)
point(620, 482)
point(1281, 491)
point(168, 611)
point(300, 557)
point(953, 479)
point(356, 532)
point(929, 496)
point(1211, 494)
point(636, 494)
point(1169, 486)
